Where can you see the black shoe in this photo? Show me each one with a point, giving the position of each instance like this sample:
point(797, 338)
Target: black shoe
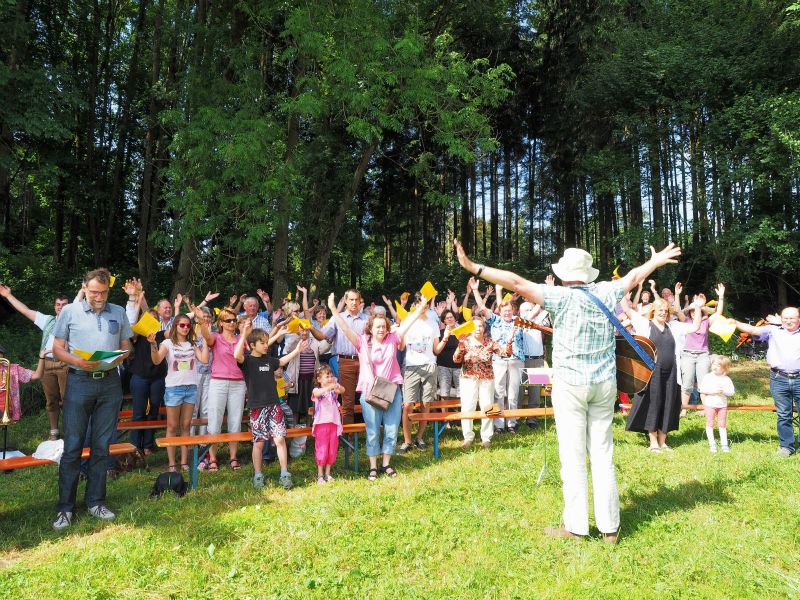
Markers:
point(499, 430)
point(404, 448)
point(512, 430)
point(420, 444)
point(532, 423)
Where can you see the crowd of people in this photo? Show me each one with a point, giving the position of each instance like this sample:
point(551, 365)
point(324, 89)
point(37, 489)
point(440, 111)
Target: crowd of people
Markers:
point(283, 363)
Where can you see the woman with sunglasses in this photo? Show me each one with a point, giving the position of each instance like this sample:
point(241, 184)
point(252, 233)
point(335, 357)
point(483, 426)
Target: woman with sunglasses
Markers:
point(227, 388)
point(183, 354)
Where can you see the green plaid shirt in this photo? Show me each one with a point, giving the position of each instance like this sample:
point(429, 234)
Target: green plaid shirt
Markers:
point(583, 337)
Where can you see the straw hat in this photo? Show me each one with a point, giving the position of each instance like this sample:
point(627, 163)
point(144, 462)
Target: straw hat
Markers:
point(575, 265)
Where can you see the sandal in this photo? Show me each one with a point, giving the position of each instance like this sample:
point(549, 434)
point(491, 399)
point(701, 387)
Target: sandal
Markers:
point(184, 467)
point(389, 471)
point(173, 468)
point(234, 463)
point(372, 475)
point(213, 467)
point(148, 452)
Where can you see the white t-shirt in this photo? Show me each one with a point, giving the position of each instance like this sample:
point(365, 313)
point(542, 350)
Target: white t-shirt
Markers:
point(709, 390)
point(181, 364)
point(420, 338)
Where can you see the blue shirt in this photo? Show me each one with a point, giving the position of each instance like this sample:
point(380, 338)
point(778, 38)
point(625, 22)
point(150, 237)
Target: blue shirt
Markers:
point(85, 329)
point(341, 345)
point(501, 331)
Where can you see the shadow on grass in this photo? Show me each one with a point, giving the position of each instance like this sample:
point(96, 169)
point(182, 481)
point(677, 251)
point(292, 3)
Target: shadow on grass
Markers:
point(697, 434)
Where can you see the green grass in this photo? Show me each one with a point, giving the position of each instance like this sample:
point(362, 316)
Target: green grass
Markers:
point(467, 526)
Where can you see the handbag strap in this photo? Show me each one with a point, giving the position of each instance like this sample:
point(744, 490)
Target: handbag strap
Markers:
point(623, 332)
point(369, 357)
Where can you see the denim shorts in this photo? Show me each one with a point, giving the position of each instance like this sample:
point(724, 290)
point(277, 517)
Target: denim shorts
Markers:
point(180, 394)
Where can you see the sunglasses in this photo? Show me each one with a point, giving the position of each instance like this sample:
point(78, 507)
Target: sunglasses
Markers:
point(184, 325)
point(227, 320)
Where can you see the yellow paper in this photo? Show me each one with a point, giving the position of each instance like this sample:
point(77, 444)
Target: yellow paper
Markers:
point(616, 272)
point(467, 312)
point(111, 281)
point(296, 323)
point(402, 313)
point(404, 296)
point(216, 310)
point(724, 328)
point(507, 297)
point(146, 325)
point(281, 385)
point(428, 290)
point(464, 329)
point(82, 353)
point(711, 303)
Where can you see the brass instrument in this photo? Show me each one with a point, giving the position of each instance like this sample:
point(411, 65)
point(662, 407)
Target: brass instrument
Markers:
point(5, 385)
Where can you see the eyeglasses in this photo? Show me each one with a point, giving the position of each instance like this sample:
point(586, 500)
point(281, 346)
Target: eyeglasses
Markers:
point(227, 320)
point(184, 325)
point(97, 292)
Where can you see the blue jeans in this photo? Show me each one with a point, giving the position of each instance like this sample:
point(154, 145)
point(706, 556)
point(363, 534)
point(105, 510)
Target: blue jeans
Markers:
point(142, 391)
point(180, 394)
point(389, 418)
point(785, 392)
point(98, 399)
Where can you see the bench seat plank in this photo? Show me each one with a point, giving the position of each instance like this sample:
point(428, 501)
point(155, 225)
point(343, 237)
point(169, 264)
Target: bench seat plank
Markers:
point(23, 462)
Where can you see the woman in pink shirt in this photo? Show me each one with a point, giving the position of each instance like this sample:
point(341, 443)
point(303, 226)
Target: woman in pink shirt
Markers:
point(377, 356)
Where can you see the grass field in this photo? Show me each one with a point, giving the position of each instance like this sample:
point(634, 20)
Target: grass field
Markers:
point(694, 525)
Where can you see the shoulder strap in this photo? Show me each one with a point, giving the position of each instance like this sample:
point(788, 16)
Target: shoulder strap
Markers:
point(622, 331)
point(369, 358)
point(47, 330)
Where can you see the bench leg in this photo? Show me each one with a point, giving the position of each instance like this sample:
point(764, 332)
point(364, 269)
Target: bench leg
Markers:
point(355, 453)
point(193, 472)
point(437, 430)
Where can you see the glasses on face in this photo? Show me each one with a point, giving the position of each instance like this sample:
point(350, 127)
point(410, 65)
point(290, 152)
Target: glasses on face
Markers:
point(227, 320)
point(183, 325)
point(97, 292)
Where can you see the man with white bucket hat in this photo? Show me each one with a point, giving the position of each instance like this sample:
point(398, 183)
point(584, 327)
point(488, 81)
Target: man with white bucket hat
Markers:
point(584, 377)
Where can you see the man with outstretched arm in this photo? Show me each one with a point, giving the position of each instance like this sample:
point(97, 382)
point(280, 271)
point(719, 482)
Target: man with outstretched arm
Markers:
point(783, 357)
point(584, 378)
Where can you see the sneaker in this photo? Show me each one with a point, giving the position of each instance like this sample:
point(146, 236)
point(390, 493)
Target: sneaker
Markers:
point(101, 512)
point(499, 430)
point(532, 423)
point(512, 430)
point(258, 480)
point(783, 452)
point(329, 478)
point(486, 444)
point(725, 448)
point(321, 480)
point(286, 481)
point(404, 448)
point(63, 520)
point(420, 444)
point(713, 448)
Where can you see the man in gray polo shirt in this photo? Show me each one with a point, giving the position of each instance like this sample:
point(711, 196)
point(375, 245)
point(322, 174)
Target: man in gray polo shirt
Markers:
point(90, 325)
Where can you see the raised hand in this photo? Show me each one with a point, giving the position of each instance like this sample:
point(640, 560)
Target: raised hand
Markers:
point(473, 285)
point(720, 290)
point(263, 295)
point(232, 300)
point(666, 256)
point(463, 259)
point(301, 289)
point(211, 296)
point(550, 280)
point(151, 338)
point(315, 302)
point(242, 297)
point(246, 327)
point(178, 301)
point(678, 288)
point(332, 303)
point(440, 306)
point(129, 287)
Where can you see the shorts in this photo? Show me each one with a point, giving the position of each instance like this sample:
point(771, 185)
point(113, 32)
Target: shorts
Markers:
point(267, 422)
point(419, 384)
point(180, 394)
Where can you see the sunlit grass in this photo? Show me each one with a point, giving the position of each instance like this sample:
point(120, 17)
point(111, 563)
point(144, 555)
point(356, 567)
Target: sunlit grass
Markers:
point(467, 526)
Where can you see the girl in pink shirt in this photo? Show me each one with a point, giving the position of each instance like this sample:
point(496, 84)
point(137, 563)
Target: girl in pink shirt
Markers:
point(327, 425)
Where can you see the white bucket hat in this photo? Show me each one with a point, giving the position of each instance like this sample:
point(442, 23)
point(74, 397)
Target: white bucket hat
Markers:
point(575, 265)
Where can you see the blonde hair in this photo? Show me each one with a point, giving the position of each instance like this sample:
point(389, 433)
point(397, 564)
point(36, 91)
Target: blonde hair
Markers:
point(723, 361)
point(655, 305)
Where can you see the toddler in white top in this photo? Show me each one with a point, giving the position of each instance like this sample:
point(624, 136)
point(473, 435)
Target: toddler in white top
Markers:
point(715, 389)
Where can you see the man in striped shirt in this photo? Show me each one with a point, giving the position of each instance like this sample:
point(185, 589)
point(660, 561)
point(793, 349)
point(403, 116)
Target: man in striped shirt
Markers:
point(584, 378)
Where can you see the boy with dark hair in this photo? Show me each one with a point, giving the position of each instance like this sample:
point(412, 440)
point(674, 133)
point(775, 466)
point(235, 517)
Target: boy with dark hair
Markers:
point(267, 420)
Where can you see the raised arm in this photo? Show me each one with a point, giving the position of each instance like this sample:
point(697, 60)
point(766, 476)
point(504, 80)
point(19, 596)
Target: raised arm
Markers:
point(439, 346)
point(5, 292)
point(480, 301)
point(720, 299)
point(639, 274)
point(340, 322)
point(406, 325)
point(287, 358)
point(527, 289)
point(238, 352)
point(389, 306)
point(208, 337)
point(157, 353)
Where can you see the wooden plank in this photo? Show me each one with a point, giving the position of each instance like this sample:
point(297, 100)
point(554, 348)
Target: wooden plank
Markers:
point(22, 462)
point(160, 424)
point(506, 414)
point(242, 436)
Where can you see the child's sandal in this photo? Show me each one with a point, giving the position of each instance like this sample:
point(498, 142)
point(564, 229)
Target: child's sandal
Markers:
point(234, 463)
point(213, 467)
point(389, 471)
point(372, 475)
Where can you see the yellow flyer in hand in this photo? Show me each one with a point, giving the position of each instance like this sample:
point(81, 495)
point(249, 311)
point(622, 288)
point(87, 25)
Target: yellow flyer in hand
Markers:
point(112, 280)
point(507, 297)
point(402, 313)
point(467, 312)
point(281, 385)
point(146, 325)
point(296, 323)
point(464, 329)
point(723, 327)
point(428, 290)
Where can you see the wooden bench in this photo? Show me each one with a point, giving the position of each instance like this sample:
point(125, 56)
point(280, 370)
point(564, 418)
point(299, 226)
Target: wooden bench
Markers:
point(195, 441)
point(128, 414)
point(23, 462)
point(439, 420)
point(698, 407)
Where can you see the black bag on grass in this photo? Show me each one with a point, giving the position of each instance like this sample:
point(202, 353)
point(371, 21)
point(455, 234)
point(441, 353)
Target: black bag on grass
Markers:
point(169, 482)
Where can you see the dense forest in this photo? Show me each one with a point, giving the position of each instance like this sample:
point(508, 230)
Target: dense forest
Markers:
point(241, 144)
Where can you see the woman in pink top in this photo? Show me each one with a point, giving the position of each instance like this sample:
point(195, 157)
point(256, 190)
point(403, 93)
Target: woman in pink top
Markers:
point(327, 425)
point(377, 352)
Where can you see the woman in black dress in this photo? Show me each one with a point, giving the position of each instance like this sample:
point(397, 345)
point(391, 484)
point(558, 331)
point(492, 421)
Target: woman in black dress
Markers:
point(656, 410)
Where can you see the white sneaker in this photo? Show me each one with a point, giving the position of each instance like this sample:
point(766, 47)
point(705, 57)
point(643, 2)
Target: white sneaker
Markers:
point(725, 448)
point(101, 512)
point(63, 520)
point(713, 448)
